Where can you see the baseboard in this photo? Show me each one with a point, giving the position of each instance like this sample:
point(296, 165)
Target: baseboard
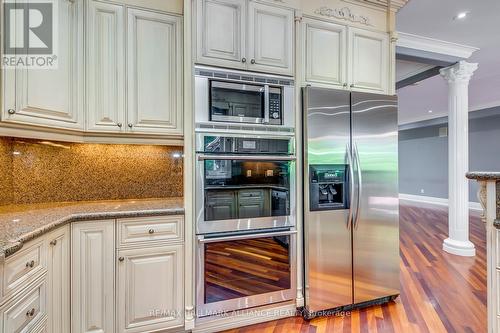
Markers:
point(435, 200)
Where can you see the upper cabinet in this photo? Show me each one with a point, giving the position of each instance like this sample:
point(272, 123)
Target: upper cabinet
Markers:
point(346, 57)
point(149, 69)
point(245, 34)
point(51, 97)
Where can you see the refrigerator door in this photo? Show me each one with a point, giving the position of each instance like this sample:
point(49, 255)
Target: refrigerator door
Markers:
point(376, 217)
point(327, 235)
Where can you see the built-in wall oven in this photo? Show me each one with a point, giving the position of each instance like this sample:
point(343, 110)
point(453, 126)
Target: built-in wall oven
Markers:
point(244, 183)
point(233, 97)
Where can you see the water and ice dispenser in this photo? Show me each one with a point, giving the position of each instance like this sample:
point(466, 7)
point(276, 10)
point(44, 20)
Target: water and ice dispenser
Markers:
point(328, 187)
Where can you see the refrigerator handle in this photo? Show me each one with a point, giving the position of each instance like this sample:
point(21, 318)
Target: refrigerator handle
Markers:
point(360, 184)
point(351, 186)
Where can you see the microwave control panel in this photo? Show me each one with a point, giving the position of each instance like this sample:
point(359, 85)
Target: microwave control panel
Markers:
point(275, 111)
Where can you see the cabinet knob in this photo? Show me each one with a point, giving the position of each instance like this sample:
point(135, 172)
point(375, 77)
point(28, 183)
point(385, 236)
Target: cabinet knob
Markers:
point(352, 85)
point(243, 60)
point(30, 264)
point(30, 313)
point(130, 125)
point(119, 125)
point(345, 85)
point(252, 61)
point(121, 259)
point(54, 242)
point(11, 111)
point(151, 231)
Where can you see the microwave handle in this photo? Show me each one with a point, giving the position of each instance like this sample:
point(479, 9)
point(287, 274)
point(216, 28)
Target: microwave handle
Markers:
point(266, 104)
point(203, 157)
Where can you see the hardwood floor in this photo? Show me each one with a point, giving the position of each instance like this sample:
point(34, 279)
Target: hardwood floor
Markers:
point(440, 292)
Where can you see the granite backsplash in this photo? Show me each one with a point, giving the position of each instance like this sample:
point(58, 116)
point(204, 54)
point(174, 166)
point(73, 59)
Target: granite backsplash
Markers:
point(35, 171)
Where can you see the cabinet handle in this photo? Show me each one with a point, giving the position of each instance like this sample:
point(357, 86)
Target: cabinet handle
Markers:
point(151, 231)
point(130, 125)
point(54, 242)
point(30, 313)
point(252, 61)
point(30, 264)
point(243, 60)
point(352, 85)
point(119, 125)
point(121, 259)
point(11, 111)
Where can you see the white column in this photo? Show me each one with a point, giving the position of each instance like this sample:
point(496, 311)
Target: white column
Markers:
point(458, 77)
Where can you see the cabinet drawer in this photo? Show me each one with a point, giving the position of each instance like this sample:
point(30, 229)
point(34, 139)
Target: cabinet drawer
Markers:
point(23, 267)
point(24, 312)
point(150, 229)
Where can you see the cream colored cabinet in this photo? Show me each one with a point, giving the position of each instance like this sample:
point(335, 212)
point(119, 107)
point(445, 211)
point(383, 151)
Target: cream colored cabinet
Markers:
point(93, 276)
point(325, 52)
point(368, 60)
point(144, 49)
point(154, 43)
point(58, 280)
point(51, 97)
point(221, 30)
point(150, 293)
point(245, 35)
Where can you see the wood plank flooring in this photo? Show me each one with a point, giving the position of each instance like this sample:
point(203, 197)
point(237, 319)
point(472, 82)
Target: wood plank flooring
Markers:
point(440, 292)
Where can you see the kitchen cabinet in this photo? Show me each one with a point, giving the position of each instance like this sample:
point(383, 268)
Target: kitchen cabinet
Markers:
point(368, 68)
point(58, 280)
point(51, 97)
point(252, 203)
point(325, 51)
point(357, 59)
point(149, 290)
point(151, 64)
point(245, 35)
point(93, 276)
point(220, 205)
point(154, 57)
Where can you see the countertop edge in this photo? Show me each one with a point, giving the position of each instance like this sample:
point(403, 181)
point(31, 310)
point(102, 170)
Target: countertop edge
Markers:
point(18, 243)
point(483, 175)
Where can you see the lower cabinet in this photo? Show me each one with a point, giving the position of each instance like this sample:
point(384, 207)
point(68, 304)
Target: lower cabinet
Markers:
point(149, 293)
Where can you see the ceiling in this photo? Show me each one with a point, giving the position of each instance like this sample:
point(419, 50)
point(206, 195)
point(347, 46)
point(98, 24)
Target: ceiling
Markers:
point(434, 19)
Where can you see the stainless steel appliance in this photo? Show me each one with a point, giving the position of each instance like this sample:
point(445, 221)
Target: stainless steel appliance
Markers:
point(351, 212)
point(243, 98)
point(244, 183)
point(237, 271)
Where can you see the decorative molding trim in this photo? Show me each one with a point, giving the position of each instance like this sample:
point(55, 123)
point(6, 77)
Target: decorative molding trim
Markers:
point(476, 206)
point(460, 72)
point(482, 196)
point(434, 45)
point(344, 13)
point(394, 5)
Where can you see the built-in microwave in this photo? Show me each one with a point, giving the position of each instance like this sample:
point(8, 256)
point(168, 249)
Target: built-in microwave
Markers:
point(243, 98)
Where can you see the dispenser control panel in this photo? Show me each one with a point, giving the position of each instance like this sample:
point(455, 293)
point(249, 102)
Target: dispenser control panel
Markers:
point(328, 187)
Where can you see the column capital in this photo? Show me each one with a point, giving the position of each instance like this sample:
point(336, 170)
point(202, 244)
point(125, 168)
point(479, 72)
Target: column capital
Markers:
point(460, 72)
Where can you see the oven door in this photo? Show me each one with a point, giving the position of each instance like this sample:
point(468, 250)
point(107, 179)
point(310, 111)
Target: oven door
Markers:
point(244, 192)
point(243, 271)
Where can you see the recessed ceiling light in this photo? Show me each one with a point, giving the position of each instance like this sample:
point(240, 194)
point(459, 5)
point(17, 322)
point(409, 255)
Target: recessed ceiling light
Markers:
point(430, 111)
point(461, 16)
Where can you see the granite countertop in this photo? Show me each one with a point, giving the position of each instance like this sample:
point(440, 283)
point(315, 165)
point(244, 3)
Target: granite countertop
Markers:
point(21, 223)
point(483, 175)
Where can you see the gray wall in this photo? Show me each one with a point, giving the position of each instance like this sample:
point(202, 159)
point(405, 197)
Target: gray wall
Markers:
point(423, 154)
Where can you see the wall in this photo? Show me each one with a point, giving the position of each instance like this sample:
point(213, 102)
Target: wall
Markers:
point(423, 155)
point(33, 171)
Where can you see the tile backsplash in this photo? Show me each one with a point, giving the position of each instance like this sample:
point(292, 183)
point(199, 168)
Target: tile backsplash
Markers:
point(34, 171)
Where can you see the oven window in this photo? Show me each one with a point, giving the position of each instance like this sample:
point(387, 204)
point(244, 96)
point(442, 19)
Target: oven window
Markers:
point(246, 189)
point(249, 267)
point(236, 100)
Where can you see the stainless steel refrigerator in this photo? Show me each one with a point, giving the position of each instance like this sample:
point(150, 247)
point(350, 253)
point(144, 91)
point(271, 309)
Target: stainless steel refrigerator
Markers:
point(351, 210)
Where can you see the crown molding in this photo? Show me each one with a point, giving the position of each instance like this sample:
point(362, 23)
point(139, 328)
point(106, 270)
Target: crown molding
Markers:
point(394, 5)
point(432, 45)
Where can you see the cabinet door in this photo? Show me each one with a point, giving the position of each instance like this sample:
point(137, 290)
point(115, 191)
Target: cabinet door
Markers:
point(58, 280)
point(252, 204)
point(220, 36)
point(270, 38)
point(93, 276)
point(154, 43)
point(325, 51)
point(368, 60)
point(51, 97)
point(150, 289)
point(220, 206)
point(105, 67)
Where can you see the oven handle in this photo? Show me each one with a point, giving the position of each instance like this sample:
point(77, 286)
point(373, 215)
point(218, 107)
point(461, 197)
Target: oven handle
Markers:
point(204, 240)
point(247, 157)
point(266, 104)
